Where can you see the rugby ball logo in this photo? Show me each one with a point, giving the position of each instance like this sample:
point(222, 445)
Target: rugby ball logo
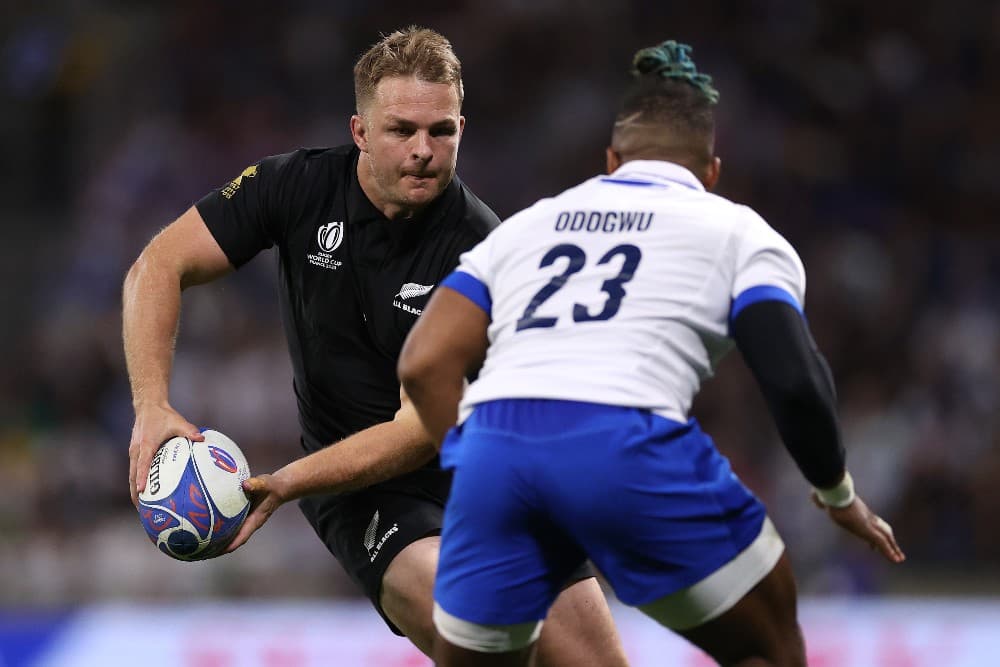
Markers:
point(330, 236)
point(222, 459)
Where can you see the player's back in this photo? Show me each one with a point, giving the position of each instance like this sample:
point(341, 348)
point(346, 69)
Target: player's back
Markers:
point(619, 290)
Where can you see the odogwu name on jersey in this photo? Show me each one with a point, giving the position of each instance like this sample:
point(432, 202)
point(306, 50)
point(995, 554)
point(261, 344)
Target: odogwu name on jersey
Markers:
point(619, 290)
point(603, 221)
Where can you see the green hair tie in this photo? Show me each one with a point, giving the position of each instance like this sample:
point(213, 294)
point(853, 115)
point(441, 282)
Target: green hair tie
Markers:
point(671, 60)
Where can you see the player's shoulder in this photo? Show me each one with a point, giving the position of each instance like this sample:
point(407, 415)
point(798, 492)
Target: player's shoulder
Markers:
point(732, 217)
point(743, 216)
point(477, 219)
point(533, 216)
point(311, 162)
point(581, 195)
point(308, 165)
point(515, 224)
point(725, 210)
point(750, 225)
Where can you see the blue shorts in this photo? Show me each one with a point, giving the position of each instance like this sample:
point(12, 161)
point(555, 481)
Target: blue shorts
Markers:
point(540, 485)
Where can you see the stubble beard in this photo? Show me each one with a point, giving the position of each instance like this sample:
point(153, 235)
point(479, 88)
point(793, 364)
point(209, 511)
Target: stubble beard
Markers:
point(396, 192)
point(393, 192)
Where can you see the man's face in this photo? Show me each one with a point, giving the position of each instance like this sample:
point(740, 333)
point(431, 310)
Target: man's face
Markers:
point(409, 136)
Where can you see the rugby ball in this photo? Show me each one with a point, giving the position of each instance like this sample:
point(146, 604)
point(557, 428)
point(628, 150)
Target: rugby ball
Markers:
point(194, 501)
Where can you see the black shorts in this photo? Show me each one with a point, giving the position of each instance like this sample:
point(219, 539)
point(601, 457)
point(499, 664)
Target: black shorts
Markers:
point(367, 529)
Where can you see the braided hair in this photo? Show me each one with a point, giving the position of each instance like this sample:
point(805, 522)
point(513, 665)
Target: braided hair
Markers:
point(671, 60)
point(667, 109)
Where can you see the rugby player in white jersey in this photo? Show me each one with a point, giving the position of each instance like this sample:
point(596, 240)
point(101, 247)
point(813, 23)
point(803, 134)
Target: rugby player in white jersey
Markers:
point(589, 321)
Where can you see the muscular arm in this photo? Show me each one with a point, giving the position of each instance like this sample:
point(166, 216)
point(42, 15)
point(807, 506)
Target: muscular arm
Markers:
point(447, 344)
point(185, 253)
point(368, 457)
point(797, 386)
point(444, 346)
point(799, 390)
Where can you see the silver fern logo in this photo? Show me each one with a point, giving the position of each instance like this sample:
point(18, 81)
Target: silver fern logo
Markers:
point(410, 290)
point(370, 533)
point(371, 545)
point(330, 236)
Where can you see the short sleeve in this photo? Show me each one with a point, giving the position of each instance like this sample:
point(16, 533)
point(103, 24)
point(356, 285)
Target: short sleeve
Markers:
point(767, 268)
point(245, 215)
point(472, 278)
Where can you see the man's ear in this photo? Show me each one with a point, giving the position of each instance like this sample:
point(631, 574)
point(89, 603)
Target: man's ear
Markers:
point(612, 159)
point(359, 132)
point(712, 172)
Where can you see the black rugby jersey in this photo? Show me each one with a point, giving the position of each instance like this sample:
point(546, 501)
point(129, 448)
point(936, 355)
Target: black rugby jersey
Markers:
point(352, 282)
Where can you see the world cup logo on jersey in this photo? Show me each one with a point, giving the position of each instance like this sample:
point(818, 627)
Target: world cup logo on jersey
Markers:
point(330, 236)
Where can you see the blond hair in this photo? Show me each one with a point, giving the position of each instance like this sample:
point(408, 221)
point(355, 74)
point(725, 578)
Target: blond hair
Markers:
point(413, 51)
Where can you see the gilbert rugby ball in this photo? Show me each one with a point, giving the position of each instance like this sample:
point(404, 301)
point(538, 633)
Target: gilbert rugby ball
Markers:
point(194, 501)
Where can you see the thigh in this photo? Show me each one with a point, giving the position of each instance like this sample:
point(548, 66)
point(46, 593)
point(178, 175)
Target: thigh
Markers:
point(763, 625)
point(580, 631)
point(407, 596)
point(366, 531)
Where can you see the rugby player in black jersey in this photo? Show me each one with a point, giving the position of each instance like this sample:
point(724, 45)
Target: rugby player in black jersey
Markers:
point(363, 232)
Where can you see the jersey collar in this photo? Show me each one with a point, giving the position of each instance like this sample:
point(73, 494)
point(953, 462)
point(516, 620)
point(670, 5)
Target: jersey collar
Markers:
point(654, 172)
point(361, 210)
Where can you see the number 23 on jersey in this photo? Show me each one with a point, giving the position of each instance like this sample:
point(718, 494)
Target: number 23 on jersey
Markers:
point(613, 287)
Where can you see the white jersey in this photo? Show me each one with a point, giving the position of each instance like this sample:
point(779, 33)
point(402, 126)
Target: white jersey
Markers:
point(620, 290)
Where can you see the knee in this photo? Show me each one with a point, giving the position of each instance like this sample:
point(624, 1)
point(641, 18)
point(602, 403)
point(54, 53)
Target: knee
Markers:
point(412, 615)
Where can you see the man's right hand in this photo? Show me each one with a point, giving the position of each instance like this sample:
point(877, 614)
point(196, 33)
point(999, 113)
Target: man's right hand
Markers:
point(859, 520)
point(154, 425)
point(267, 493)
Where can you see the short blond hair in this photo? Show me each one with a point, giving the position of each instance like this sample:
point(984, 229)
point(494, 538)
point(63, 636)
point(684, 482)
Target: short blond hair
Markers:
point(419, 52)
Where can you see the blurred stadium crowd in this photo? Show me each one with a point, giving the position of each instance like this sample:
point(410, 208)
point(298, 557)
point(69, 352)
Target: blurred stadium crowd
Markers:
point(867, 133)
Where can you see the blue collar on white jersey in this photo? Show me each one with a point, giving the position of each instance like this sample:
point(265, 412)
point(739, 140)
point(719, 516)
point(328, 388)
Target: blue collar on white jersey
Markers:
point(646, 173)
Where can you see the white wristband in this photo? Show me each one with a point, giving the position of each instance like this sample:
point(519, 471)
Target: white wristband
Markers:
point(841, 495)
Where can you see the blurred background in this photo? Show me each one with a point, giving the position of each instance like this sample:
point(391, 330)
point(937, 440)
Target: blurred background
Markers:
point(867, 133)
